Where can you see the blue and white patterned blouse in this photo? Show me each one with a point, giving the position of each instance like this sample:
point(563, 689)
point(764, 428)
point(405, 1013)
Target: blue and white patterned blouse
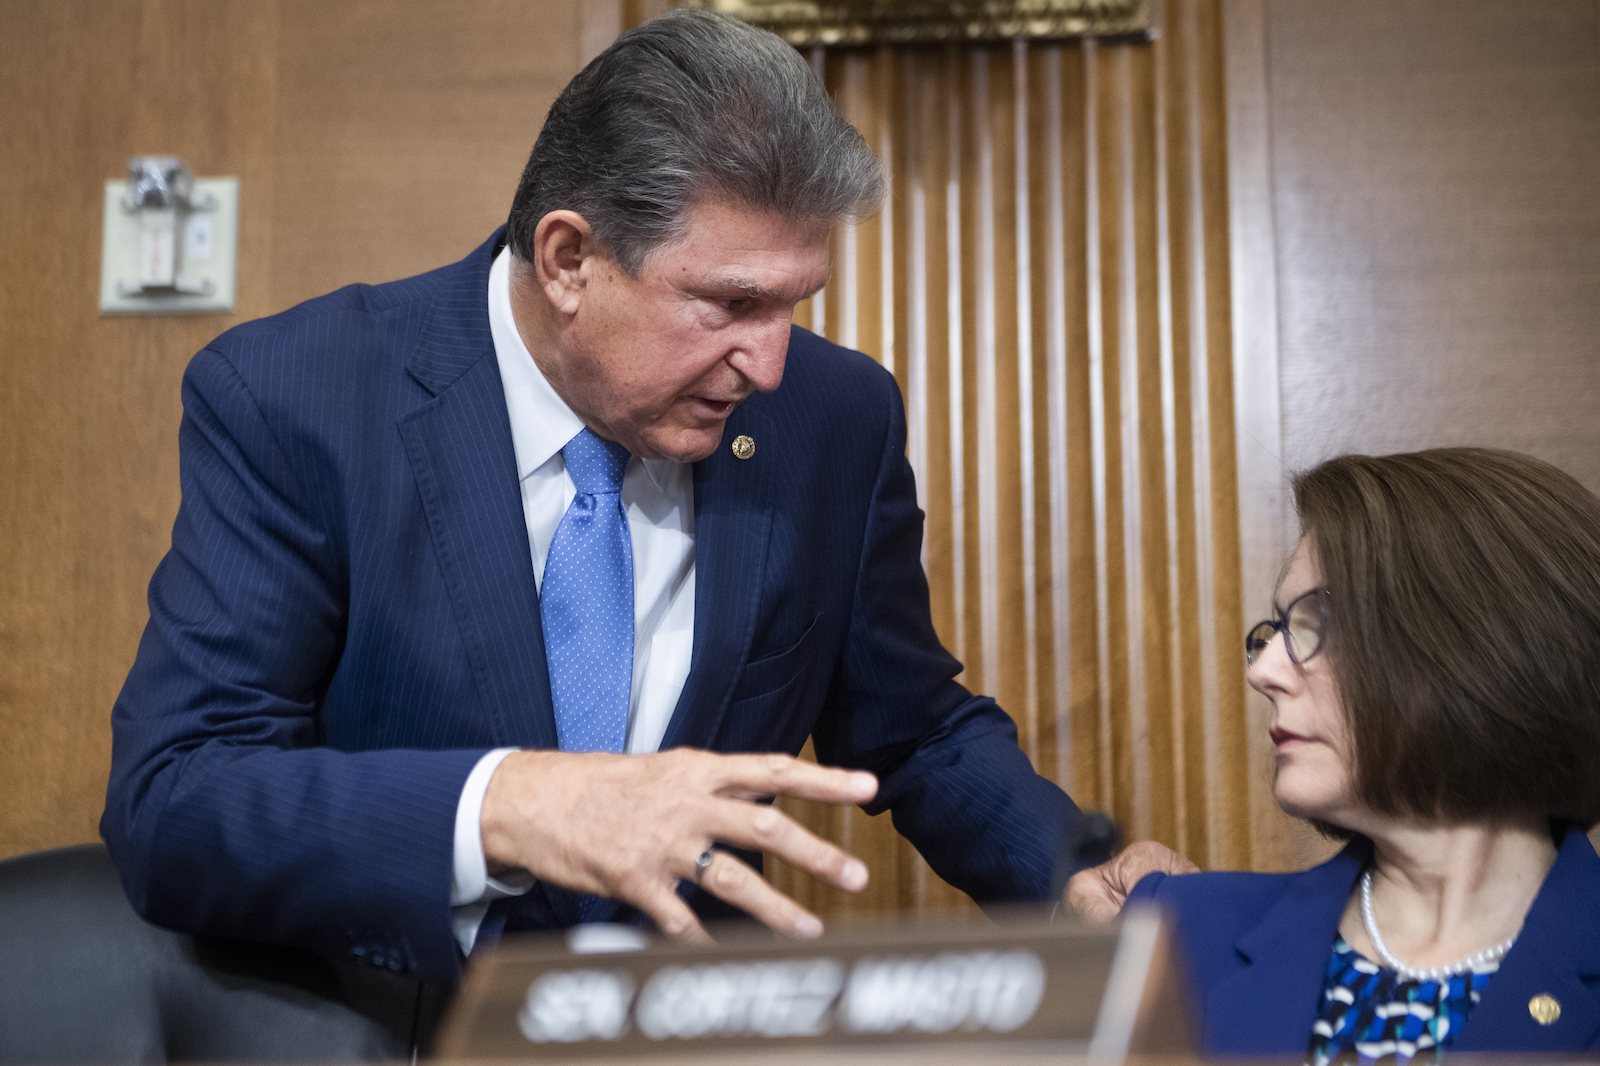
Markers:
point(1370, 1015)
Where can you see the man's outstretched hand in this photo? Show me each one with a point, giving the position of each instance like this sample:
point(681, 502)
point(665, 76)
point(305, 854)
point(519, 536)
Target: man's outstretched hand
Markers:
point(631, 826)
point(1098, 893)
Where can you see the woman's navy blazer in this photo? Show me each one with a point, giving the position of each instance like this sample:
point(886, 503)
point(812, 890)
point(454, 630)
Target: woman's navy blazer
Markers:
point(1255, 948)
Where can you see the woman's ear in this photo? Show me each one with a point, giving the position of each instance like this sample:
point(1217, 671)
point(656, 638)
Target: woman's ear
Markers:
point(562, 242)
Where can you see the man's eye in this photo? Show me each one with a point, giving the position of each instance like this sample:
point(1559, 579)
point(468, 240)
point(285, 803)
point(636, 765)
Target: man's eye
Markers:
point(737, 303)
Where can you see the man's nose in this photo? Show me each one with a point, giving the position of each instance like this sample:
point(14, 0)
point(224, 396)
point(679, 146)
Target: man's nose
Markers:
point(761, 357)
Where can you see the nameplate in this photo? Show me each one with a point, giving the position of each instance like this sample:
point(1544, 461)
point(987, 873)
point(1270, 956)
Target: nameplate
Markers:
point(1074, 989)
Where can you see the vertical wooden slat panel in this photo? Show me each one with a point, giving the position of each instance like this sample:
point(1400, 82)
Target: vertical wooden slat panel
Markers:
point(1203, 805)
point(1055, 261)
point(1010, 653)
point(1229, 769)
point(1100, 500)
point(955, 358)
point(931, 117)
point(1049, 285)
point(818, 308)
point(890, 303)
point(1135, 737)
point(1022, 208)
point(1083, 518)
point(987, 471)
point(927, 129)
point(1176, 718)
point(916, 282)
point(849, 276)
point(1160, 699)
point(862, 307)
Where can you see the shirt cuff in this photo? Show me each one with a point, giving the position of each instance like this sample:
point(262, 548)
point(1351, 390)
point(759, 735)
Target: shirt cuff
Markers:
point(471, 882)
point(471, 887)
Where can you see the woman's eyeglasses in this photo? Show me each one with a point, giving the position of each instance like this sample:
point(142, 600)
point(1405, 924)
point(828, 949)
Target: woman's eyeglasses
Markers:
point(1302, 624)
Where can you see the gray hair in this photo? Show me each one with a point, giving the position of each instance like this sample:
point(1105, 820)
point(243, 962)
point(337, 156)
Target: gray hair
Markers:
point(687, 105)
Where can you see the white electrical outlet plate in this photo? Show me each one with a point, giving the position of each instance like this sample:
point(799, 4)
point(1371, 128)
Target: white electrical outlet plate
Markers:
point(210, 253)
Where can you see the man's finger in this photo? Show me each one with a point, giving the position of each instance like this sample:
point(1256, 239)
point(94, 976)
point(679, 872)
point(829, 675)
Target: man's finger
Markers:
point(1092, 897)
point(759, 776)
point(549, 812)
point(762, 828)
point(672, 916)
point(733, 882)
point(1146, 857)
point(1181, 865)
point(1097, 894)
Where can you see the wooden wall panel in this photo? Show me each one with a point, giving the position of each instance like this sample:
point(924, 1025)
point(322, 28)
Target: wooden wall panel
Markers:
point(1049, 284)
point(88, 403)
point(371, 140)
point(402, 130)
point(1417, 242)
point(1435, 168)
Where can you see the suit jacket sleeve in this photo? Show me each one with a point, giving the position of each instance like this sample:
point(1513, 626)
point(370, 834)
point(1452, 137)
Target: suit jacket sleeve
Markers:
point(950, 770)
point(223, 813)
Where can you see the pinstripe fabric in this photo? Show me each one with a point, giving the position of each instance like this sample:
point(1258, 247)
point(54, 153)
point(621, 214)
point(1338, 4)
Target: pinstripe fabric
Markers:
point(348, 618)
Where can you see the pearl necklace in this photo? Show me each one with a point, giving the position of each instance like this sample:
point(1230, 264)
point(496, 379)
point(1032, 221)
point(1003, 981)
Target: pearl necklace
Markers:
point(1434, 973)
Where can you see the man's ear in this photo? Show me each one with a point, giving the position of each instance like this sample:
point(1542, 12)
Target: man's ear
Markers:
point(562, 243)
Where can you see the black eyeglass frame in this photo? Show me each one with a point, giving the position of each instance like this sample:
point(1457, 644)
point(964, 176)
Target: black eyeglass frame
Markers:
point(1260, 635)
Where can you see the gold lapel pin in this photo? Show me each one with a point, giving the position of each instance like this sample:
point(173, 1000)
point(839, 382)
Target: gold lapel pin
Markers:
point(743, 447)
point(1545, 1008)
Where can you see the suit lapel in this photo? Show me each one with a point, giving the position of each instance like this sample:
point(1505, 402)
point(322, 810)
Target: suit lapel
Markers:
point(732, 522)
point(1275, 998)
point(459, 445)
point(1558, 947)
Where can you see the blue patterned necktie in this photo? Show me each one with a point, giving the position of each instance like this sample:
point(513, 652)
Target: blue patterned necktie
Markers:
point(586, 603)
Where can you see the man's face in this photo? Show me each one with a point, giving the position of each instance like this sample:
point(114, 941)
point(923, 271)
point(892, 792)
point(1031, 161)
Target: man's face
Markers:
point(658, 362)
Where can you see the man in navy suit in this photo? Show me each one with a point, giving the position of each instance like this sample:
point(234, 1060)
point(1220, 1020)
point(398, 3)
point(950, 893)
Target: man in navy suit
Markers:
point(499, 595)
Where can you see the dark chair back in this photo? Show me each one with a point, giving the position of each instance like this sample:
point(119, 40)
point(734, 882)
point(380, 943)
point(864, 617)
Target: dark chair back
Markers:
point(83, 979)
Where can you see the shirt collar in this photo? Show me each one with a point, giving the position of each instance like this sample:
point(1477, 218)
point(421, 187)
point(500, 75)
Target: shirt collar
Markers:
point(541, 421)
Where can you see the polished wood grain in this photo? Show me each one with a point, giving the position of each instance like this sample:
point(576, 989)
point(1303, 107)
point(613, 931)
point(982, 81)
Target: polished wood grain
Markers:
point(1416, 241)
point(371, 140)
point(1435, 169)
point(89, 405)
point(1055, 273)
point(402, 131)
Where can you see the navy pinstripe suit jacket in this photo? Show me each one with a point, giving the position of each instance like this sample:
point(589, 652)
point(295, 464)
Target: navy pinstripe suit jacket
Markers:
point(347, 620)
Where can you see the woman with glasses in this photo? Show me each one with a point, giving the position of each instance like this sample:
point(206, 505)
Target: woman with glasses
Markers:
point(1434, 669)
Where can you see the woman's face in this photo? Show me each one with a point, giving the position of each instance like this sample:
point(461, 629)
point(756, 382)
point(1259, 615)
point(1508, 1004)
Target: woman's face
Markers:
point(1314, 762)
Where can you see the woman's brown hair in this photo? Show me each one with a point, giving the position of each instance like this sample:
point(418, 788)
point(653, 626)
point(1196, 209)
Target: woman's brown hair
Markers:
point(1464, 631)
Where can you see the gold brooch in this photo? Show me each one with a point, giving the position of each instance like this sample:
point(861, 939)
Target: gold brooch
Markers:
point(743, 447)
point(1545, 1008)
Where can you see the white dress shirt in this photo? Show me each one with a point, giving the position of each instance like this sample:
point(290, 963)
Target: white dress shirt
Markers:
point(658, 495)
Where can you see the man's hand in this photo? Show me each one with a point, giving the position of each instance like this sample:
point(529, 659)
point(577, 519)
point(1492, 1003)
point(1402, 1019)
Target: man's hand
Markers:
point(1098, 893)
point(631, 826)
